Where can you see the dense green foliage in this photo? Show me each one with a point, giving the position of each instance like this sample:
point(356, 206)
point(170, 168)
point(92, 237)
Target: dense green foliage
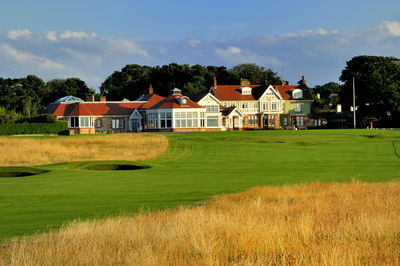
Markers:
point(329, 96)
point(134, 80)
point(196, 167)
point(25, 97)
point(9, 116)
point(33, 128)
point(377, 82)
point(43, 118)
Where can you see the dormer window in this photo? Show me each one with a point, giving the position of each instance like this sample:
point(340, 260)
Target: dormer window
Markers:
point(297, 94)
point(246, 90)
point(183, 101)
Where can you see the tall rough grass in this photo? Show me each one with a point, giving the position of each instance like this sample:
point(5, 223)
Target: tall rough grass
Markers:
point(314, 224)
point(23, 151)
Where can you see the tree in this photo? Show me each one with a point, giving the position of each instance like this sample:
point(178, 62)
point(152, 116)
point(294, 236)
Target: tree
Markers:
point(23, 95)
point(58, 88)
point(377, 81)
point(134, 80)
point(328, 95)
point(256, 74)
point(130, 82)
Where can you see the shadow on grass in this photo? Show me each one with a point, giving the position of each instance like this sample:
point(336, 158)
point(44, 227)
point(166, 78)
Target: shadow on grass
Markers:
point(9, 172)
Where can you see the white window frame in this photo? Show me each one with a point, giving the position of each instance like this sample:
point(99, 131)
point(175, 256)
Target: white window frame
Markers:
point(118, 123)
point(297, 107)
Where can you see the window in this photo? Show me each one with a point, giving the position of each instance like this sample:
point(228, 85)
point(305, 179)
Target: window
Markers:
point(298, 107)
point(98, 122)
point(212, 121)
point(271, 120)
point(265, 106)
point(274, 106)
point(212, 108)
point(81, 121)
point(285, 121)
point(74, 122)
point(202, 120)
point(165, 120)
point(244, 105)
point(188, 119)
point(117, 123)
point(85, 122)
point(246, 91)
point(152, 120)
point(252, 120)
point(299, 121)
point(297, 94)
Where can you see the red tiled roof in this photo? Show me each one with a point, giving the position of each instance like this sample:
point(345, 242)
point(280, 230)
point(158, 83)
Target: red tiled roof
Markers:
point(232, 93)
point(286, 92)
point(59, 109)
point(151, 99)
point(172, 102)
point(95, 109)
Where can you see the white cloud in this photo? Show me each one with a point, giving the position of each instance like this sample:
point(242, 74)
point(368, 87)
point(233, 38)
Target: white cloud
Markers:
point(392, 28)
point(15, 34)
point(308, 32)
point(28, 58)
point(193, 43)
point(228, 52)
point(123, 46)
point(51, 35)
point(73, 34)
point(85, 58)
point(320, 54)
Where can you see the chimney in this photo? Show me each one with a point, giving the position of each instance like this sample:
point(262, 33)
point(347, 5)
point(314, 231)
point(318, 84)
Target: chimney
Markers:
point(244, 82)
point(215, 82)
point(303, 81)
point(284, 83)
point(151, 91)
point(103, 98)
point(92, 97)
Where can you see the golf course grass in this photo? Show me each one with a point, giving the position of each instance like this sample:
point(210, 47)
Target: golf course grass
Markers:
point(195, 167)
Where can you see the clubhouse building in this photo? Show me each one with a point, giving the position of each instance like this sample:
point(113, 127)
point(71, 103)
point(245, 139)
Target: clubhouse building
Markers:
point(223, 107)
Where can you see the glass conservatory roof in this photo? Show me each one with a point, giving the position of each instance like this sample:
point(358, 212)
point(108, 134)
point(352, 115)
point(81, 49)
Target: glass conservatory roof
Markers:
point(68, 98)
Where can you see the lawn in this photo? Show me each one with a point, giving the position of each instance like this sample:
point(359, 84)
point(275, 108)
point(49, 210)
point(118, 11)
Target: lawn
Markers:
point(195, 167)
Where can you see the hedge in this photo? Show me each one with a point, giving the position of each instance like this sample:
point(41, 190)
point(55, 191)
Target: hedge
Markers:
point(58, 127)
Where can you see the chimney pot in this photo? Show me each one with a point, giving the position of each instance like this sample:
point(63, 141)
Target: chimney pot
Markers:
point(151, 90)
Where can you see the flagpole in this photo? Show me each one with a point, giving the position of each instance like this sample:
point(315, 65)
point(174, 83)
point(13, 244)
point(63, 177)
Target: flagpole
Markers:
point(354, 104)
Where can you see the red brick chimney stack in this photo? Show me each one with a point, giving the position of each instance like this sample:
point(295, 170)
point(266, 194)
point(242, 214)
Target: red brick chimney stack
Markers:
point(215, 82)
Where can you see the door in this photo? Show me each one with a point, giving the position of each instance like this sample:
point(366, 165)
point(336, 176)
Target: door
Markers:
point(235, 122)
point(135, 125)
point(265, 121)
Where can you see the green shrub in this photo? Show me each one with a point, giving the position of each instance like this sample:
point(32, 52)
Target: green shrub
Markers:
point(43, 118)
point(33, 128)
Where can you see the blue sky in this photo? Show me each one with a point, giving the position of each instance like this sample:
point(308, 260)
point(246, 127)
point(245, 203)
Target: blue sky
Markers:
point(91, 39)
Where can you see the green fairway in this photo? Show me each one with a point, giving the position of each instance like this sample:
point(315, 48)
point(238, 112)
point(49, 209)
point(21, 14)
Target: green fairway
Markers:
point(196, 167)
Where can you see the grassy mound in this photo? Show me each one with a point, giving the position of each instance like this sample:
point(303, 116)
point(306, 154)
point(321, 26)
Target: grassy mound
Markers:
point(315, 224)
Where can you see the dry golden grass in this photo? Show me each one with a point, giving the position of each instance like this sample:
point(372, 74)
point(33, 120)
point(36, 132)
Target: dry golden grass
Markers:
point(315, 224)
point(23, 151)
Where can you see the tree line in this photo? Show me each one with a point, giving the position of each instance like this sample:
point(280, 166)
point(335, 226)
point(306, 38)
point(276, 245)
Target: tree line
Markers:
point(377, 80)
point(133, 80)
